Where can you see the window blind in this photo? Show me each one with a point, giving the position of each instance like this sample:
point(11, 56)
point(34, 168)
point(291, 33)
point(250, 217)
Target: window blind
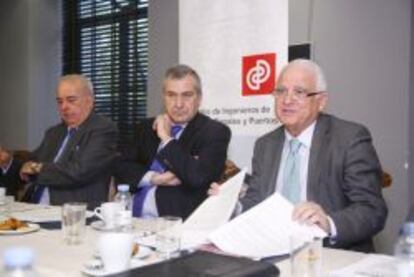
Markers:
point(107, 41)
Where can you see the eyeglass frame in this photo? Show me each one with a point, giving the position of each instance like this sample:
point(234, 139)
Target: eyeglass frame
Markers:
point(298, 93)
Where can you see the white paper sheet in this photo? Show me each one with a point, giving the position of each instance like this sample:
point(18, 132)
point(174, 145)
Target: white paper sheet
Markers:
point(262, 231)
point(371, 265)
point(215, 211)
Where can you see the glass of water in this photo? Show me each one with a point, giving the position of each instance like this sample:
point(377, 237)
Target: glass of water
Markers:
point(168, 236)
point(73, 222)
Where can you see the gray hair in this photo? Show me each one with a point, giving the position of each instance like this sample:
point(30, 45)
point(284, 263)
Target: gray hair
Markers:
point(313, 67)
point(181, 71)
point(83, 81)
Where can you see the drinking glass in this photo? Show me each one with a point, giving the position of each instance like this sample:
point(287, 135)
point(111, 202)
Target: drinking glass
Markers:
point(305, 255)
point(168, 236)
point(73, 222)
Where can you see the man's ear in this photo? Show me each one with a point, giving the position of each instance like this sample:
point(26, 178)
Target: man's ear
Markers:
point(323, 101)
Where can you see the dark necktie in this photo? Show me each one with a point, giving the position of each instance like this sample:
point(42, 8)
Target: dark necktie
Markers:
point(39, 189)
point(291, 173)
point(156, 166)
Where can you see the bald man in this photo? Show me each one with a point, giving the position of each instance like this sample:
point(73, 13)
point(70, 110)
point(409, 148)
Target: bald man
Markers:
point(72, 163)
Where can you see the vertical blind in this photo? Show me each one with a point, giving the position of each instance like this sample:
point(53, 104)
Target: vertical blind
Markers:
point(107, 41)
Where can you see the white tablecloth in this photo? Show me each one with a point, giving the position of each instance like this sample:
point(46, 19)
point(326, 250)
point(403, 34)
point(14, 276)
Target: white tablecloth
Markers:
point(55, 258)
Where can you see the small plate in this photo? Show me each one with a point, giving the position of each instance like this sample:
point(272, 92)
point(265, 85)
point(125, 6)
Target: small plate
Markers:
point(100, 226)
point(100, 271)
point(32, 227)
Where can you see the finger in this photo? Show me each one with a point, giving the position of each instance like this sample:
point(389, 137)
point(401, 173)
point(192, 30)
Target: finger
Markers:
point(303, 211)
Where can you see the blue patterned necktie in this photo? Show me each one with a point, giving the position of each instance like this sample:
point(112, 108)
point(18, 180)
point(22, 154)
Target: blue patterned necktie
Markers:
point(291, 173)
point(38, 192)
point(156, 166)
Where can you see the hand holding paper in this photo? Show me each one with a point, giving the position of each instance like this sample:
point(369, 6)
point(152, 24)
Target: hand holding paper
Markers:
point(262, 231)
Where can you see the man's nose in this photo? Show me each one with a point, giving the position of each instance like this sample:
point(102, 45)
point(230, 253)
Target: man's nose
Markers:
point(63, 106)
point(289, 97)
point(179, 101)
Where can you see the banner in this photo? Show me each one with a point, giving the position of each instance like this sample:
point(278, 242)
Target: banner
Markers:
point(238, 47)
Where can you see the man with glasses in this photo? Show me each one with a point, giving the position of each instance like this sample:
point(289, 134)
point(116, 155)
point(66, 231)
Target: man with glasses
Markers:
point(174, 157)
point(327, 167)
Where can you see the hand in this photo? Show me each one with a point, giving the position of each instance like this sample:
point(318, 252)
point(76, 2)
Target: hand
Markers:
point(5, 157)
point(311, 213)
point(30, 168)
point(165, 179)
point(214, 189)
point(162, 125)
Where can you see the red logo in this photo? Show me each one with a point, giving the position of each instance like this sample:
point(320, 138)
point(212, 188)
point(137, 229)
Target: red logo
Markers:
point(258, 76)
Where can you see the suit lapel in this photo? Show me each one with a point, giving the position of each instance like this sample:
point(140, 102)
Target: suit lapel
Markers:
point(55, 141)
point(318, 155)
point(274, 159)
point(196, 123)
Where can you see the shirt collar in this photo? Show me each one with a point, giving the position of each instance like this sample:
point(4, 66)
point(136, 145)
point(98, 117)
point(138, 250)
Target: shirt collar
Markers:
point(305, 137)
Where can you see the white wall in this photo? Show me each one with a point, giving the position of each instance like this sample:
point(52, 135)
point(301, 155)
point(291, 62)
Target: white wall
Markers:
point(29, 67)
point(163, 48)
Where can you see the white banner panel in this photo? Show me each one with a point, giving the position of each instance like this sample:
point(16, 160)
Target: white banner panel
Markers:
point(238, 47)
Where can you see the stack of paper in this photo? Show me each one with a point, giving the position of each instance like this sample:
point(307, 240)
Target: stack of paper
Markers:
point(262, 231)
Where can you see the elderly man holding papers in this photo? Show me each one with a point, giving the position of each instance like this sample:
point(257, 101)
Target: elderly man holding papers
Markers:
point(327, 167)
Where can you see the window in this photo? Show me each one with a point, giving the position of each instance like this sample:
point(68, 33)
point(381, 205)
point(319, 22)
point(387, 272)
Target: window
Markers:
point(107, 40)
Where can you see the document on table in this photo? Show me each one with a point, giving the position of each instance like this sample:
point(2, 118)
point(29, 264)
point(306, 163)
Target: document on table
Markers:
point(262, 231)
point(215, 211)
point(371, 265)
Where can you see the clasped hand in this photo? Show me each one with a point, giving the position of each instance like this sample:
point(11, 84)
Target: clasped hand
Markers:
point(28, 169)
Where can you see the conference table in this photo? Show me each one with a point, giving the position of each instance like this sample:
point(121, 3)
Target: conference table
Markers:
point(55, 258)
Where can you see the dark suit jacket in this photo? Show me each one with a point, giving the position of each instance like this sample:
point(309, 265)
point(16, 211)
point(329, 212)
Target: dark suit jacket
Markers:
point(197, 159)
point(82, 173)
point(11, 180)
point(344, 177)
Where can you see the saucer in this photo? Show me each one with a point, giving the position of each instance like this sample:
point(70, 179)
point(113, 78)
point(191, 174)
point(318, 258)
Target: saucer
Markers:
point(94, 267)
point(90, 270)
point(100, 226)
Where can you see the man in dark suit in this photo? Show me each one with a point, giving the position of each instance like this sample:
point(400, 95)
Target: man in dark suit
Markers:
point(172, 170)
point(74, 158)
point(334, 178)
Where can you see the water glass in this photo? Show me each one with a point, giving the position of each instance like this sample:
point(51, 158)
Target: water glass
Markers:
point(305, 256)
point(168, 236)
point(2, 195)
point(73, 222)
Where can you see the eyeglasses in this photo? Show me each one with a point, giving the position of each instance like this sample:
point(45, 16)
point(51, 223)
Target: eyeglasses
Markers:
point(298, 93)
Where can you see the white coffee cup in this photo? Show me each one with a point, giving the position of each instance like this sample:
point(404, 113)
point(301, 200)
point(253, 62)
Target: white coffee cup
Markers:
point(107, 212)
point(115, 250)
